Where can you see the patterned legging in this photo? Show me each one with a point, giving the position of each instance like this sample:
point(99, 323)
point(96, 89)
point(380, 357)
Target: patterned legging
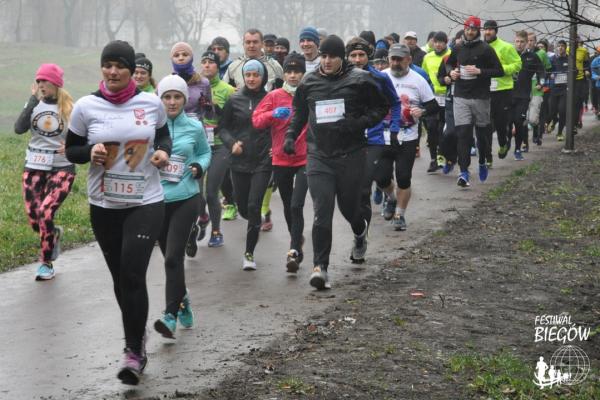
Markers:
point(44, 192)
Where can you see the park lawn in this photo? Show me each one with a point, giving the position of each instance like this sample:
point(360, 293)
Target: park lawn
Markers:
point(19, 244)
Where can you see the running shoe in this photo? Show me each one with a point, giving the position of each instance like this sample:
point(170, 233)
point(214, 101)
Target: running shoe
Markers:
point(448, 168)
point(441, 161)
point(319, 279)
point(463, 179)
point(132, 368)
point(432, 167)
point(185, 314)
point(216, 239)
point(489, 164)
point(248, 263)
point(483, 172)
point(377, 196)
point(267, 224)
point(166, 325)
point(389, 210)
point(560, 137)
point(58, 232)
point(502, 151)
point(203, 222)
point(360, 246)
point(399, 223)
point(518, 156)
point(525, 149)
point(473, 151)
point(191, 246)
point(45, 272)
point(230, 212)
point(294, 258)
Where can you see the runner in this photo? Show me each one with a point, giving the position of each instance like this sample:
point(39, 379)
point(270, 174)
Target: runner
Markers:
point(123, 133)
point(558, 86)
point(199, 106)
point(595, 68)
point(250, 148)
point(253, 50)
point(471, 66)
point(48, 176)
point(289, 172)
point(416, 53)
point(417, 100)
point(502, 89)
point(428, 48)
point(309, 44)
point(380, 59)
point(220, 46)
point(582, 63)
point(538, 106)
point(338, 102)
point(269, 45)
point(531, 65)
point(435, 123)
point(143, 74)
point(221, 156)
point(190, 157)
point(282, 49)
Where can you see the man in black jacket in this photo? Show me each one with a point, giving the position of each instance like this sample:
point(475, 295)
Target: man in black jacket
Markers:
point(339, 102)
point(472, 64)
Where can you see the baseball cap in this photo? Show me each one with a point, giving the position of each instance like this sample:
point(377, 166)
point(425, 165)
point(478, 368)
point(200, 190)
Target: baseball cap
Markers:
point(399, 50)
point(410, 34)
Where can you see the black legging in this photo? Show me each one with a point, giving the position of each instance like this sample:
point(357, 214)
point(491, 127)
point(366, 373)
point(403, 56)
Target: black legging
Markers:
point(519, 119)
point(293, 185)
point(227, 188)
point(172, 239)
point(435, 126)
point(448, 139)
point(249, 191)
point(465, 141)
point(558, 104)
point(374, 154)
point(126, 237)
point(218, 170)
point(403, 158)
point(500, 115)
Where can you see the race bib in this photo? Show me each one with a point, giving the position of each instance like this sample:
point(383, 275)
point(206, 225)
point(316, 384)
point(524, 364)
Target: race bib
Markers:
point(173, 172)
point(466, 75)
point(192, 115)
point(386, 136)
point(210, 134)
point(39, 159)
point(441, 100)
point(329, 110)
point(493, 85)
point(560, 79)
point(124, 187)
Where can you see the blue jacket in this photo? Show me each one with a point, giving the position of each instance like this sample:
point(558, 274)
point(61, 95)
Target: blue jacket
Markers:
point(375, 134)
point(191, 146)
point(223, 68)
point(596, 71)
point(424, 74)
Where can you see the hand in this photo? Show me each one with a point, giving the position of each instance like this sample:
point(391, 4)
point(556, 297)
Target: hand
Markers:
point(416, 112)
point(196, 171)
point(282, 112)
point(538, 86)
point(289, 146)
point(237, 148)
point(454, 74)
point(35, 89)
point(447, 79)
point(159, 159)
point(471, 69)
point(98, 154)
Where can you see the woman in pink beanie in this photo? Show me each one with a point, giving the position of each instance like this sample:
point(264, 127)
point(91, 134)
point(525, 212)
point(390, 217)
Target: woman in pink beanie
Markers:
point(48, 175)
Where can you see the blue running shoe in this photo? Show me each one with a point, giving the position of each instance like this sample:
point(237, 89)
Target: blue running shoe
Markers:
point(166, 325)
point(216, 239)
point(185, 314)
point(518, 155)
point(377, 196)
point(463, 179)
point(447, 168)
point(45, 272)
point(483, 172)
point(389, 210)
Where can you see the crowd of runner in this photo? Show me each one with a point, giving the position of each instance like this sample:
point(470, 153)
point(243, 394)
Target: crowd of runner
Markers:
point(341, 120)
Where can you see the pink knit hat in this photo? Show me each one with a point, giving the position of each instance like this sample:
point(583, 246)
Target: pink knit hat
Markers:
point(179, 46)
point(51, 73)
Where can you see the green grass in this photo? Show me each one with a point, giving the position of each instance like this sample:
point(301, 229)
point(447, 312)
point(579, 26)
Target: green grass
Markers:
point(19, 244)
point(505, 376)
point(294, 386)
point(512, 181)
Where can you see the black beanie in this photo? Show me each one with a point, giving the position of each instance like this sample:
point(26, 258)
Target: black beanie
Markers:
point(381, 54)
point(211, 55)
point(294, 62)
point(369, 36)
point(120, 51)
point(281, 41)
point(358, 43)
point(491, 24)
point(334, 46)
point(220, 41)
point(142, 62)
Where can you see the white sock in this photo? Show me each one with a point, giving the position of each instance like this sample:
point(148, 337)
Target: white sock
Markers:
point(400, 211)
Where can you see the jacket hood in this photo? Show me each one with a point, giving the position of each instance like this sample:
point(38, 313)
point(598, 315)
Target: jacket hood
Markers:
point(265, 78)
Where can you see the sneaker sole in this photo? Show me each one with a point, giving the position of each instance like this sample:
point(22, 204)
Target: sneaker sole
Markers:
point(163, 330)
point(292, 266)
point(399, 228)
point(249, 268)
point(216, 245)
point(357, 260)
point(129, 377)
point(318, 283)
point(43, 278)
point(191, 250)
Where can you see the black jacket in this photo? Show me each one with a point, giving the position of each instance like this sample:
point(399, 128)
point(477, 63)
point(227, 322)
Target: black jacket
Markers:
point(484, 57)
point(364, 104)
point(532, 65)
point(236, 124)
point(417, 55)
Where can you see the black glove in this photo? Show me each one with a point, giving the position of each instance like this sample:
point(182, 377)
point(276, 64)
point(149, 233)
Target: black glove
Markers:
point(394, 140)
point(289, 146)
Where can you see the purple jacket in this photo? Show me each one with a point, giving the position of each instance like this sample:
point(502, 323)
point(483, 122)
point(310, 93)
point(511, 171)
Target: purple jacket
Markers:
point(200, 99)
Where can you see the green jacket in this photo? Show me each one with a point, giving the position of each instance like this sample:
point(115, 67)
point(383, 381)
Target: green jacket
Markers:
point(431, 65)
point(511, 62)
point(547, 66)
point(220, 91)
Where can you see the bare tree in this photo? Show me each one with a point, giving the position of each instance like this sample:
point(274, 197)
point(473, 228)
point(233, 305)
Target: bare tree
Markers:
point(109, 30)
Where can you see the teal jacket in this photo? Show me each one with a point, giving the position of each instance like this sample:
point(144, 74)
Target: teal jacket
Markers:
point(189, 147)
point(511, 63)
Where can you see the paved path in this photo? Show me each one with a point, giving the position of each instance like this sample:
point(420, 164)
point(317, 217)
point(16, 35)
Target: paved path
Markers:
point(63, 339)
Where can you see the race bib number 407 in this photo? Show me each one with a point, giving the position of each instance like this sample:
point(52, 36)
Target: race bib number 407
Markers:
point(329, 110)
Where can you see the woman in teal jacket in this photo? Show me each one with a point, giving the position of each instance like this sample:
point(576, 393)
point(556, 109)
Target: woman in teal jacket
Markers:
point(190, 157)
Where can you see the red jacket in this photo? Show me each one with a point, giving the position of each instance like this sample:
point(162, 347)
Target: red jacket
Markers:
point(262, 118)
